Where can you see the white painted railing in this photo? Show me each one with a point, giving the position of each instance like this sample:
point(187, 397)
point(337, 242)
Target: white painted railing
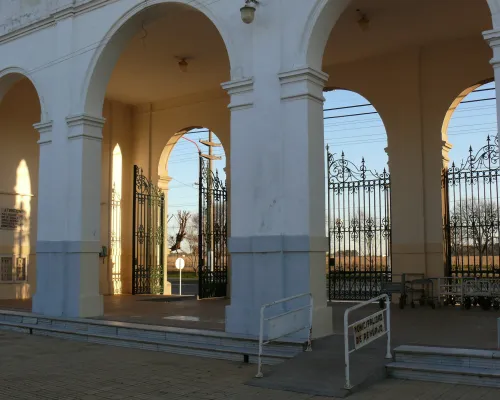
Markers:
point(285, 324)
point(366, 330)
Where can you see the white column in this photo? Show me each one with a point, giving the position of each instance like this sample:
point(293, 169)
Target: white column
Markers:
point(69, 220)
point(49, 296)
point(493, 39)
point(163, 183)
point(278, 241)
point(84, 217)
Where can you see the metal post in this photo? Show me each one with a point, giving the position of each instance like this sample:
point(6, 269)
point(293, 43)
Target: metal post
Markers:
point(328, 225)
point(309, 339)
point(134, 233)
point(200, 229)
point(210, 210)
point(161, 247)
point(388, 355)
point(261, 344)
point(346, 352)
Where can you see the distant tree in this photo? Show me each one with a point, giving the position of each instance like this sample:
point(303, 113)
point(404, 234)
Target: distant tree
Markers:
point(192, 240)
point(182, 218)
point(473, 227)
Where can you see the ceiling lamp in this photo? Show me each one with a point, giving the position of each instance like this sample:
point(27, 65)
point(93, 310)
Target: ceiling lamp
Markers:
point(248, 11)
point(363, 22)
point(183, 64)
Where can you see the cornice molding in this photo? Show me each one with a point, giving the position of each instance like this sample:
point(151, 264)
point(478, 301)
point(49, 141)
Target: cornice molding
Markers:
point(163, 182)
point(303, 83)
point(241, 92)
point(492, 37)
point(446, 147)
point(45, 130)
point(85, 126)
point(71, 10)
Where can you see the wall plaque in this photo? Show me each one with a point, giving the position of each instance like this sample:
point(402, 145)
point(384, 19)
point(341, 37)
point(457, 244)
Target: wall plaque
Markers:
point(11, 218)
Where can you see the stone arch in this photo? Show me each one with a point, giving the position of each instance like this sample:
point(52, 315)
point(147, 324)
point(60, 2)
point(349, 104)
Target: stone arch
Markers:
point(12, 75)
point(456, 102)
point(372, 100)
point(174, 139)
point(114, 42)
point(494, 6)
point(322, 19)
point(320, 23)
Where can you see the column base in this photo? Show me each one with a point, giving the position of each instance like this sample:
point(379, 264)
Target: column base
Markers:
point(68, 280)
point(267, 269)
point(167, 288)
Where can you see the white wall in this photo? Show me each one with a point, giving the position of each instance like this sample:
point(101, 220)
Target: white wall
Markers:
point(19, 110)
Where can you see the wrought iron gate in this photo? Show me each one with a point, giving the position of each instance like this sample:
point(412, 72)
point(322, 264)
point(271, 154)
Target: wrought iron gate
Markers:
point(116, 241)
point(148, 236)
point(359, 229)
point(212, 234)
point(471, 214)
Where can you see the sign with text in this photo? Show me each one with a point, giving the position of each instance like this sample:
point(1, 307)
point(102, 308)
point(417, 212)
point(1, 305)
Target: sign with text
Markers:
point(11, 218)
point(369, 329)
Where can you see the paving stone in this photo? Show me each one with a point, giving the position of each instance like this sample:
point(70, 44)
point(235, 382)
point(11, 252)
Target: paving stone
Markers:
point(47, 368)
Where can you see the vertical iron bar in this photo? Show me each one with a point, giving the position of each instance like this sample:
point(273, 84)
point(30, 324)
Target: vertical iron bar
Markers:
point(200, 229)
point(134, 234)
point(328, 224)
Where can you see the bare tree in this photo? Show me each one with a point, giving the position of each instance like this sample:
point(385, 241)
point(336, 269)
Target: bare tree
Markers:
point(192, 240)
point(182, 218)
point(472, 228)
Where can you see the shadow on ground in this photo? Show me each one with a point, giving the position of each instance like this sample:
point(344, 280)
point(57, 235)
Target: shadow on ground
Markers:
point(321, 372)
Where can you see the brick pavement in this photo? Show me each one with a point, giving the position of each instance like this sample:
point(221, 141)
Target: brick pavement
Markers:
point(44, 368)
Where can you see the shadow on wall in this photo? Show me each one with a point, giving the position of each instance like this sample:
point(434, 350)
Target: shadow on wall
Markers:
point(17, 219)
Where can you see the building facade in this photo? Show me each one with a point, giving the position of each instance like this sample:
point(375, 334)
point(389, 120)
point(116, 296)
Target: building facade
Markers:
point(80, 77)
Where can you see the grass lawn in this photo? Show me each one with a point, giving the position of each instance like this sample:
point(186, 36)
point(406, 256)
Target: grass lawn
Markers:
point(185, 275)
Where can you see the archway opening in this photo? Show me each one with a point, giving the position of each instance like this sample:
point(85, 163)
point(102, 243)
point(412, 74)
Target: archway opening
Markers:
point(471, 199)
point(148, 84)
point(116, 221)
point(19, 158)
point(408, 70)
point(187, 157)
point(358, 196)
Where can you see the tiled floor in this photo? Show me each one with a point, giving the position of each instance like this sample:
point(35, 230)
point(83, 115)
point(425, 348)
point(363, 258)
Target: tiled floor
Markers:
point(45, 368)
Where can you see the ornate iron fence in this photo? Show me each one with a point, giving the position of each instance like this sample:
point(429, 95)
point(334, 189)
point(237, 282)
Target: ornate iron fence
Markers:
point(148, 236)
point(212, 247)
point(471, 221)
point(359, 229)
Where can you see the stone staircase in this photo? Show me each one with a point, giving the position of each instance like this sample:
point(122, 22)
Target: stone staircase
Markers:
point(446, 365)
point(211, 344)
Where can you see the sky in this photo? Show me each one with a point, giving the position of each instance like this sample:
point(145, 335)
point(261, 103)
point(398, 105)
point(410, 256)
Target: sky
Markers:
point(357, 135)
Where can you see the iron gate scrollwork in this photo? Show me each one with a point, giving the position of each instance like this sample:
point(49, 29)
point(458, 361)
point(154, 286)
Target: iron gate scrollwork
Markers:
point(212, 246)
point(359, 229)
point(471, 222)
point(116, 241)
point(148, 236)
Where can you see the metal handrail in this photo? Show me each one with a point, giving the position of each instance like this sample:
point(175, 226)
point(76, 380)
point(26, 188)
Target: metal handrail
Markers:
point(263, 320)
point(347, 326)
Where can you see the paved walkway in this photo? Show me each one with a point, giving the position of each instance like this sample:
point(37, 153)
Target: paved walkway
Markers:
point(153, 310)
point(447, 326)
point(45, 368)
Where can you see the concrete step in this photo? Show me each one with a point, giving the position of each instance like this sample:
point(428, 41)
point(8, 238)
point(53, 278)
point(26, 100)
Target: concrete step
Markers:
point(211, 344)
point(446, 365)
point(445, 374)
point(473, 358)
